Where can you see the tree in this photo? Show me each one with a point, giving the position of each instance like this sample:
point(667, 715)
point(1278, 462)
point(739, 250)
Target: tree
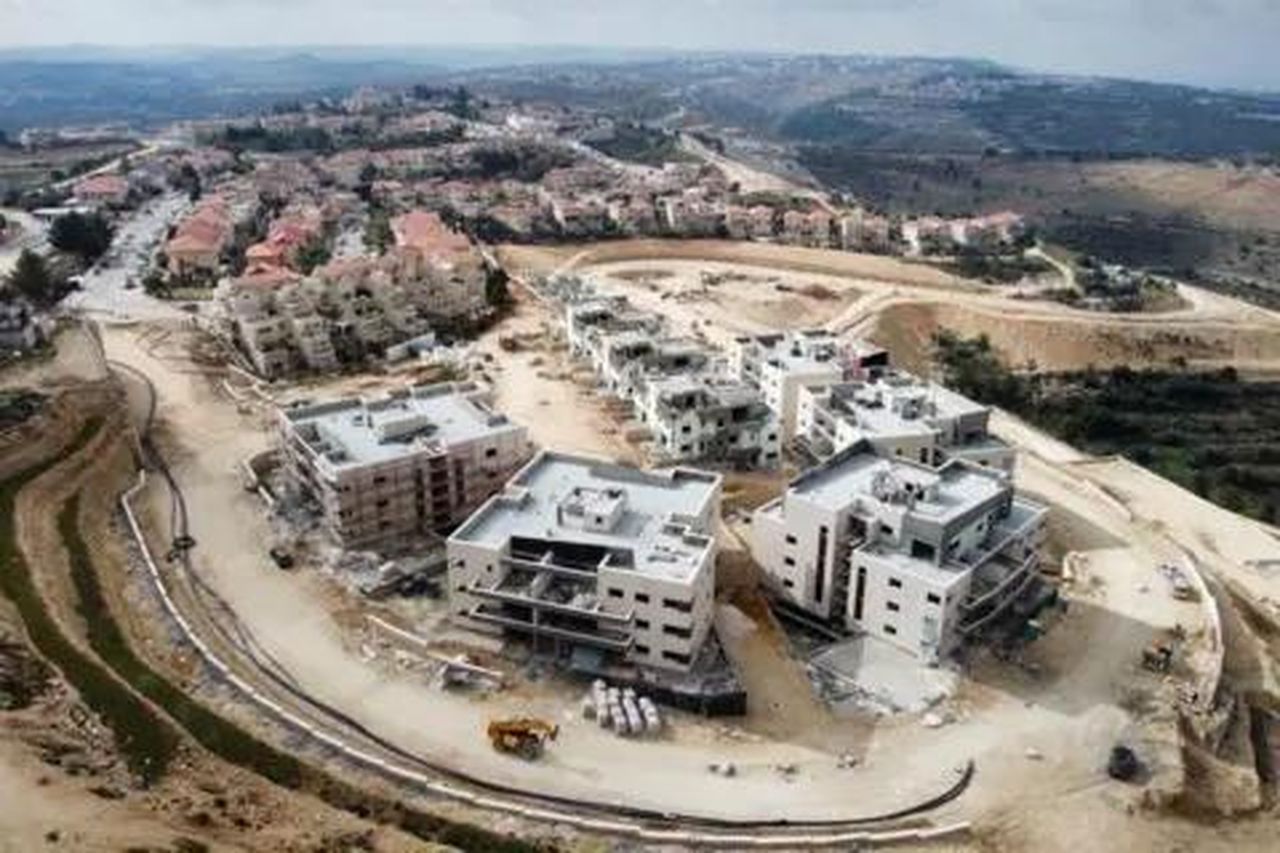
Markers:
point(312, 255)
point(377, 233)
point(87, 237)
point(31, 278)
point(496, 292)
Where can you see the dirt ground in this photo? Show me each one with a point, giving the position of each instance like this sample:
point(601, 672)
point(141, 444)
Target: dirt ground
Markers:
point(1039, 729)
point(64, 786)
point(900, 305)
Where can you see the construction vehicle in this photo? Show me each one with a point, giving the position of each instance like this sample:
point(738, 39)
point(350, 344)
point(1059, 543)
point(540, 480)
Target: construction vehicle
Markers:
point(523, 736)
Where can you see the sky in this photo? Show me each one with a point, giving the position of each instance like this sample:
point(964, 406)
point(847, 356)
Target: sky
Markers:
point(1210, 42)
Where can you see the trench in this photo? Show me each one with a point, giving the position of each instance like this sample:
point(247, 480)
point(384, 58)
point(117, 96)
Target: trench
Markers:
point(148, 740)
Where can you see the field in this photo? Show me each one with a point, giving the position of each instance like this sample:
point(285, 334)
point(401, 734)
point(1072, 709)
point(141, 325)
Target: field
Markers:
point(1209, 432)
point(1213, 221)
point(21, 170)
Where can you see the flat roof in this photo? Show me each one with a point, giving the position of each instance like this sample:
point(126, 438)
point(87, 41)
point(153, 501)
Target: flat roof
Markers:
point(896, 403)
point(355, 431)
point(655, 506)
point(941, 494)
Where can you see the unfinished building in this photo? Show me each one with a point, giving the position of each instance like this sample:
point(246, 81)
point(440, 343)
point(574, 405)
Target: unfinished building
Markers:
point(590, 322)
point(780, 364)
point(922, 558)
point(394, 468)
point(901, 416)
point(706, 416)
point(346, 310)
point(592, 561)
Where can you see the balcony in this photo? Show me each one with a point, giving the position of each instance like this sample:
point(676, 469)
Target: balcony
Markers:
point(610, 640)
point(527, 598)
point(985, 605)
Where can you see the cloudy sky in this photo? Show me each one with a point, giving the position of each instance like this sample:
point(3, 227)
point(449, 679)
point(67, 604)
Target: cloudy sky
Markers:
point(1214, 42)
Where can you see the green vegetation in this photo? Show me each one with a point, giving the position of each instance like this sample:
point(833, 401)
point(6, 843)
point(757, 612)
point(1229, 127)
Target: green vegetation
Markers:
point(313, 254)
point(496, 292)
point(1209, 432)
point(32, 279)
point(145, 740)
point(86, 236)
point(640, 144)
point(377, 232)
point(995, 269)
point(149, 740)
point(18, 405)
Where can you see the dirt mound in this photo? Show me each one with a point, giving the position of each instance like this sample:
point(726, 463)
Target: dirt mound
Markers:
point(1054, 343)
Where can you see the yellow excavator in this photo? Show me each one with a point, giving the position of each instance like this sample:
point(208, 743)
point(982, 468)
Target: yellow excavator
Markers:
point(523, 736)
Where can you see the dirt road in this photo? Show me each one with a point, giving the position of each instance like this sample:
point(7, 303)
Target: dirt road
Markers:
point(900, 305)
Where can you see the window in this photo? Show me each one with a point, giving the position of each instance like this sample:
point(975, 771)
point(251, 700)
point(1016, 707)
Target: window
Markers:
point(615, 593)
point(490, 452)
point(382, 504)
point(685, 448)
point(894, 583)
point(892, 606)
point(922, 550)
point(642, 624)
point(773, 436)
point(890, 630)
point(790, 561)
point(641, 650)
point(677, 605)
point(791, 540)
point(788, 583)
point(860, 593)
point(379, 480)
point(822, 563)
point(682, 633)
point(642, 597)
point(675, 657)
point(686, 429)
point(886, 530)
point(933, 598)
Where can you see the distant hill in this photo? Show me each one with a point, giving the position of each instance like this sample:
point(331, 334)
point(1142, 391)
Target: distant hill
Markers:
point(922, 106)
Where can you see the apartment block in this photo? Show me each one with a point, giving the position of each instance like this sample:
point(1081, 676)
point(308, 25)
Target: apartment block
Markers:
point(592, 320)
point(592, 561)
point(413, 462)
point(901, 416)
point(781, 364)
point(923, 558)
point(346, 310)
point(708, 416)
point(680, 389)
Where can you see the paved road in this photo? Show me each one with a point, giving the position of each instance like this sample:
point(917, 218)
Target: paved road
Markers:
point(103, 289)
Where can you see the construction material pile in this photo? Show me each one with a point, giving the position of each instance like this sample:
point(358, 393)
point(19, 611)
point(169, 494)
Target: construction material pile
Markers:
point(621, 710)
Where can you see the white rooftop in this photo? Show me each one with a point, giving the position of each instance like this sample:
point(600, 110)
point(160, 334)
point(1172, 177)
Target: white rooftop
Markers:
point(643, 514)
point(938, 494)
point(897, 403)
point(355, 431)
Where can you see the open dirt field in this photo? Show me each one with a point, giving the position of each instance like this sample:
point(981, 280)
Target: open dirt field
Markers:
point(64, 784)
point(1069, 712)
point(901, 305)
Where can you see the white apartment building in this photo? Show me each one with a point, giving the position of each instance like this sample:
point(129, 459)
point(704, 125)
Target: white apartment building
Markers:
point(413, 462)
point(590, 322)
point(919, 557)
point(901, 416)
point(706, 416)
point(781, 364)
point(589, 558)
point(345, 311)
point(681, 390)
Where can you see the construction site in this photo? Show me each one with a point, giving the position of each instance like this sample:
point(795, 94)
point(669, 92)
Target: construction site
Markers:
point(467, 603)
